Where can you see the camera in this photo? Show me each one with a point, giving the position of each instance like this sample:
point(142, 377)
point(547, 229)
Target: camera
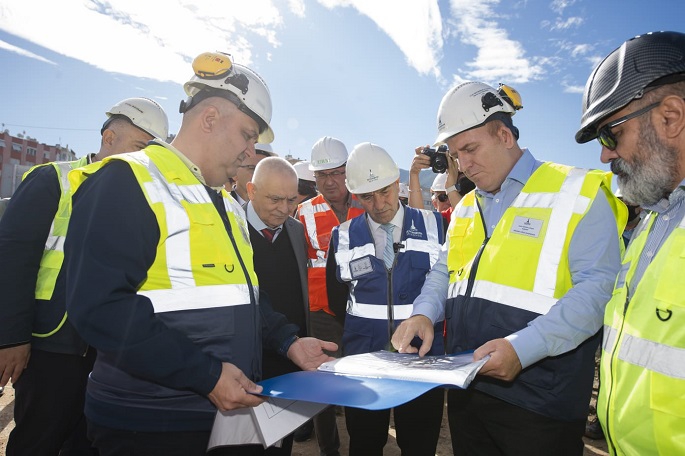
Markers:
point(438, 158)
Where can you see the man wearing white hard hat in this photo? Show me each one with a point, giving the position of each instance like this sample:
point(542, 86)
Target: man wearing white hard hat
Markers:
point(528, 266)
point(33, 324)
point(320, 215)
point(246, 170)
point(174, 311)
point(377, 264)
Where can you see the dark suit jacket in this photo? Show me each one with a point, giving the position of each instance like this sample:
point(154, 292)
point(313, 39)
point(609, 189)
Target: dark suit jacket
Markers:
point(298, 243)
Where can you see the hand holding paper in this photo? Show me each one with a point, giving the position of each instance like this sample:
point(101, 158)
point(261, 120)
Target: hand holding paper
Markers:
point(234, 390)
point(504, 363)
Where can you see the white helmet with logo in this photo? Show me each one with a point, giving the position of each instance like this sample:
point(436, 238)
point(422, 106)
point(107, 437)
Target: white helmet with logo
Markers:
point(216, 75)
point(370, 168)
point(144, 113)
point(328, 153)
point(469, 105)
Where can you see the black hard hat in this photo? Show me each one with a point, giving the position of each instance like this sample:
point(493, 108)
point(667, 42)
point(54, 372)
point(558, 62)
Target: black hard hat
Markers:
point(624, 74)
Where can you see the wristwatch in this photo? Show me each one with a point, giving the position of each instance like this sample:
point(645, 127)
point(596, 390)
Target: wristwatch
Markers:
point(451, 189)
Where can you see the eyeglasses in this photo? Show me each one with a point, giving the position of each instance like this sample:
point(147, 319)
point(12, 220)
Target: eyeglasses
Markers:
point(606, 137)
point(324, 176)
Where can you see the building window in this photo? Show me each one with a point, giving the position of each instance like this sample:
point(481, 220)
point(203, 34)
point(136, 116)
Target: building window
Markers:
point(46, 155)
point(31, 151)
point(2, 143)
point(16, 147)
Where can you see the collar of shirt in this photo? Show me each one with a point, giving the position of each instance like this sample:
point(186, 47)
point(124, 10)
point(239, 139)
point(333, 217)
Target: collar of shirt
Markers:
point(665, 204)
point(255, 221)
point(494, 204)
point(237, 197)
point(186, 161)
point(397, 220)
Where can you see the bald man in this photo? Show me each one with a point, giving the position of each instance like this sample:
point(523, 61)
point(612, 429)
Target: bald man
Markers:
point(280, 256)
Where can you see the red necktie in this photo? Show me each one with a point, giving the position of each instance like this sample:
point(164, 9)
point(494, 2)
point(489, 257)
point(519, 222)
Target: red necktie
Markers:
point(269, 234)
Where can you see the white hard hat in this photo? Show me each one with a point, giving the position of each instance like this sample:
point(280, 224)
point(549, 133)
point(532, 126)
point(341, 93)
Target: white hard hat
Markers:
point(266, 148)
point(404, 190)
point(328, 153)
point(438, 184)
point(370, 168)
point(303, 171)
point(467, 106)
point(144, 113)
point(215, 73)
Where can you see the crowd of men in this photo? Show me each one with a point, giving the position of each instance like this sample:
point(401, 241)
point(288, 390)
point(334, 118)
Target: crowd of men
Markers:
point(153, 283)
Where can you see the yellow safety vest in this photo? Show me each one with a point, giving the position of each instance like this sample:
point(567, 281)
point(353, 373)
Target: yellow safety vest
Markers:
point(531, 239)
point(53, 253)
point(641, 402)
point(195, 266)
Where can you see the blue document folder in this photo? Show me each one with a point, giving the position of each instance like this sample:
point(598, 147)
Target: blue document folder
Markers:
point(349, 391)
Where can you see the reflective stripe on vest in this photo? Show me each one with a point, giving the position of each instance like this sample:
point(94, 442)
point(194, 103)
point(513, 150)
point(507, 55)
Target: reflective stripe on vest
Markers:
point(188, 272)
point(645, 353)
point(554, 193)
point(345, 255)
point(641, 401)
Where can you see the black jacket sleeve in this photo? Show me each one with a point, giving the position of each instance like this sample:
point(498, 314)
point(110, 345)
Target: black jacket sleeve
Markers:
point(24, 229)
point(337, 291)
point(113, 235)
point(277, 332)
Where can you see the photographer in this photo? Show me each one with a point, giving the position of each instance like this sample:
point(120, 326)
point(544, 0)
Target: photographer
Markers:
point(456, 184)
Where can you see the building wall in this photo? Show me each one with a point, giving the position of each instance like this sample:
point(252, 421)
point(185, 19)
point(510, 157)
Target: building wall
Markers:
point(19, 153)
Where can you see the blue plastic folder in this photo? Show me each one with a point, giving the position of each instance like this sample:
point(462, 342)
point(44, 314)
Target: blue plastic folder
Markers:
point(365, 383)
point(351, 391)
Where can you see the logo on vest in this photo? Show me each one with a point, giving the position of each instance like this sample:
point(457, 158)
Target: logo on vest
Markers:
point(413, 232)
point(372, 177)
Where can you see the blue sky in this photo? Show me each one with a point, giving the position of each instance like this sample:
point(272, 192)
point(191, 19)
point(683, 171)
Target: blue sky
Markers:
point(359, 70)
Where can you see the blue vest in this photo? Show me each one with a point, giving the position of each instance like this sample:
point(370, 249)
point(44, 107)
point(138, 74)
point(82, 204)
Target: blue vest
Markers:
point(379, 299)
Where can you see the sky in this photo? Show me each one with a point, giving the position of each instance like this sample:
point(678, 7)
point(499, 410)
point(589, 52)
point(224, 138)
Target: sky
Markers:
point(357, 70)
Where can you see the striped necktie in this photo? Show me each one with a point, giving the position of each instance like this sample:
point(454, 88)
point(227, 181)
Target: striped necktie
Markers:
point(389, 252)
point(269, 234)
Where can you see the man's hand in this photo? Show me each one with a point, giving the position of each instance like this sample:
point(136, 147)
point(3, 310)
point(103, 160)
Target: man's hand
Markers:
point(418, 325)
point(420, 161)
point(13, 361)
point(233, 389)
point(308, 352)
point(504, 363)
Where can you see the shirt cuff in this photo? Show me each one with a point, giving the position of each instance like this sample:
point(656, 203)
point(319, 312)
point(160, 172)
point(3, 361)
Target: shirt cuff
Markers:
point(285, 346)
point(529, 346)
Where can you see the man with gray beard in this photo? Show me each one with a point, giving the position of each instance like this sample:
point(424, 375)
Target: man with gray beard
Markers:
point(634, 104)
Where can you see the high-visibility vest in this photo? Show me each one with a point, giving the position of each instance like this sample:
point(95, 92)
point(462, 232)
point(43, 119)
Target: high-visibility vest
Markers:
point(53, 253)
point(377, 294)
point(641, 403)
point(202, 281)
point(522, 272)
point(319, 219)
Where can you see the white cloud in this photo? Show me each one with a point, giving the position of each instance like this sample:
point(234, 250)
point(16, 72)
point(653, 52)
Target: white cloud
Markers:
point(571, 22)
point(140, 38)
point(297, 7)
point(498, 57)
point(415, 26)
point(558, 6)
point(24, 52)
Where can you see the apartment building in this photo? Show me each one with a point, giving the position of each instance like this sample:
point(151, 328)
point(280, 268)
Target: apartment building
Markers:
point(19, 153)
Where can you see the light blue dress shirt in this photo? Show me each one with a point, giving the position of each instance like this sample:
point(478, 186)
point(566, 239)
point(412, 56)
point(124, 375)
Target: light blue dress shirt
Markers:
point(594, 261)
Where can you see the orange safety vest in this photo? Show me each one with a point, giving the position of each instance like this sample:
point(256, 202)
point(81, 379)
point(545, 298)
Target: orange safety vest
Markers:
point(318, 219)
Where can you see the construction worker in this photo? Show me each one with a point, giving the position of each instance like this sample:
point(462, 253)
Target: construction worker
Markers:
point(634, 105)
point(175, 311)
point(39, 349)
point(320, 215)
point(377, 264)
point(528, 266)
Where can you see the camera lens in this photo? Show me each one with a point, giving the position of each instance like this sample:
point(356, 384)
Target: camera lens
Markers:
point(439, 163)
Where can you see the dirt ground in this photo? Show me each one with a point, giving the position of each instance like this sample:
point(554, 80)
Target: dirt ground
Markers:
point(308, 448)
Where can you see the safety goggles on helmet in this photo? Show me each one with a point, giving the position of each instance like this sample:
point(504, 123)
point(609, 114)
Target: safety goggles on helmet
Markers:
point(607, 138)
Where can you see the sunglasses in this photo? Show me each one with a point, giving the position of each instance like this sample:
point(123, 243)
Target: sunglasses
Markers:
point(442, 197)
point(606, 137)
